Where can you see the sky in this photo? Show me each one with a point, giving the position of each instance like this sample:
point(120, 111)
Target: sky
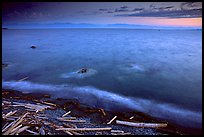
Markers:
point(184, 14)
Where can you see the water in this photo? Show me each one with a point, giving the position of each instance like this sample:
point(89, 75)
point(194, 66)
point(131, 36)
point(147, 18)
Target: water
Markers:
point(156, 72)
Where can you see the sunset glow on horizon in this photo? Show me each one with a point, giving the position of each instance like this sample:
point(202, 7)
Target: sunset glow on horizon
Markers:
point(183, 22)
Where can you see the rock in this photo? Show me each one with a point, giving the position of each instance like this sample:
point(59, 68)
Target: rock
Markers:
point(33, 47)
point(83, 70)
point(42, 131)
point(4, 65)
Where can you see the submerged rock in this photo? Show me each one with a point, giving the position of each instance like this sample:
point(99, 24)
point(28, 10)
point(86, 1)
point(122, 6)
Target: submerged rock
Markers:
point(33, 47)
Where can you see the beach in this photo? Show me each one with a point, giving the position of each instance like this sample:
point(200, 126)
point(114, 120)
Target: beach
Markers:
point(51, 119)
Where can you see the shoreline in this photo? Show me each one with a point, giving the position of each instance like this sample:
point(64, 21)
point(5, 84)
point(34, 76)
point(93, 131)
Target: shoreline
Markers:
point(99, 116)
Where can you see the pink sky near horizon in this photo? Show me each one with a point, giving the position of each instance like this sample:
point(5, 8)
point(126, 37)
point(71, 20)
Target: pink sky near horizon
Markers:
point(157, 21)
point(191, 22)
point(183, 22)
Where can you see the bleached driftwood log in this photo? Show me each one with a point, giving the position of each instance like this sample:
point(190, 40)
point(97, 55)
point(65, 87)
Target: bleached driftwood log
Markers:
point(149, 125)
point(112, 120)
point(22, 79)
point(9, 114)
point(66, 113)
point(85, 129)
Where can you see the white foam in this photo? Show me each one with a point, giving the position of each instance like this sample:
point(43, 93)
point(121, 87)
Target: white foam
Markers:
point(77, 75)
point(100, 98)
point(133, 67)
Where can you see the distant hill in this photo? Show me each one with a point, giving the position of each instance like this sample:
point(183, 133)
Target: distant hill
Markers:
point(86, 25)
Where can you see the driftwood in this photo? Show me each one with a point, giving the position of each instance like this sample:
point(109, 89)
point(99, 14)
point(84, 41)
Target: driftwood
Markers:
point(48, 103)
point(103, 112)
point(15, 123)
point(112, 120)
point(32, 132)
point(71, 126)
point(66, 118)
point(85, 129)
point(75, 133)
point(4, 129)
point(35, 107)
point(149, 125)
point(22, 79)
point(9, 114)
point(117, 131)
point(66, 113)
point(131, 117)
point(13, 132)
point(22, 129)
point(69, 133)
point(5, 125)
point(70, 120)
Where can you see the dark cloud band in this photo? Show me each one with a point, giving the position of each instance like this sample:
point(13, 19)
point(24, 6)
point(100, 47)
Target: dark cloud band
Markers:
point(194, 13)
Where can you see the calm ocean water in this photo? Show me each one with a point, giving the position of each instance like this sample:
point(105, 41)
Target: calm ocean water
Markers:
point(152, 71)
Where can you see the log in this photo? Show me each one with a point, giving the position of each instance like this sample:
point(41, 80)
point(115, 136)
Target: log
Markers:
point(42, 117)
point(69, 133)
point(6, 102)
point(48, 103)
point(117, 131)
point(131, 117)
point(66, 113)
point(32, 132)
point(66, 118)
point(148, 125)
point(22, 79)
point(9, 114)
point(13, 131)
point(103, 112)
point(22, 129)
point(85, 129)
point(10, 119)
point(112, 120)
point(70, 120)
point(7, 127)
point(69, 125)
point(127, 133)
point(75, 133)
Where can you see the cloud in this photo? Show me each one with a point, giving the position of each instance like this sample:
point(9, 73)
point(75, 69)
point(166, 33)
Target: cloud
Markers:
point(103, 9)
point(194, 13)
point(121, 10)
point(191, 5)
point(138, 9)
point(110, 12)
point(186, 10)
point(124, 7)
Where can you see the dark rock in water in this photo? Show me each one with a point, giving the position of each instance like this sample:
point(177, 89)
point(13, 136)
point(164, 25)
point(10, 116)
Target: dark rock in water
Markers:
point(4, 65)
point(33, 47)
point(83, 70)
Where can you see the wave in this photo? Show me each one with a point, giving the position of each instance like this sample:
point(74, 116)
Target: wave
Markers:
point(111, 101)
